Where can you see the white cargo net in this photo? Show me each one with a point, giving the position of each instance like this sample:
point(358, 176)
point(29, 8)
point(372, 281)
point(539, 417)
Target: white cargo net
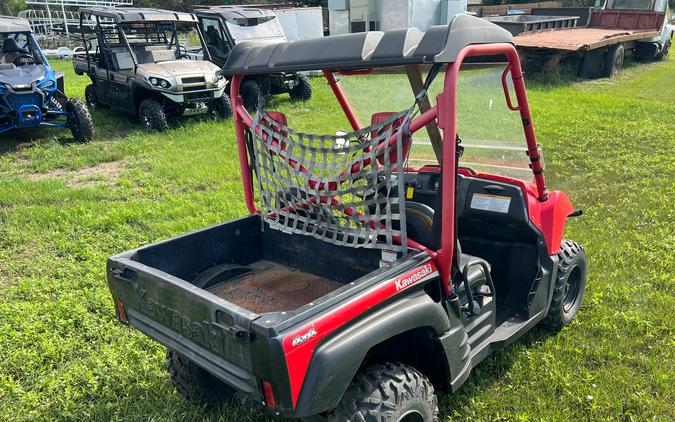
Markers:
point(342, 189)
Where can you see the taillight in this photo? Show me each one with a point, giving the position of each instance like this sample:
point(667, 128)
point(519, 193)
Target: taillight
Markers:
point(121, 313)
point(269, 395)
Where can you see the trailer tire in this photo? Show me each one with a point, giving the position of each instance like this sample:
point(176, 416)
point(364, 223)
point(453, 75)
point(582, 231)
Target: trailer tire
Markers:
point(303, 90)
point(663, 55)
point(252, 95)
point(152, 116)
point(570, 285)
point(388, 392)
point(613, 61)
point(90, 97)
point(79, 120)
point(193, 382)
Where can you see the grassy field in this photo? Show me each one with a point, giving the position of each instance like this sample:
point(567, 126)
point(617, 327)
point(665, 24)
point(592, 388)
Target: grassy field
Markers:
point(65, 207)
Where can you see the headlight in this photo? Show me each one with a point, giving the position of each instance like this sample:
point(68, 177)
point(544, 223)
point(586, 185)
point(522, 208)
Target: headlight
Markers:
point(48, 84)
point(159, 82)
point(219, 77)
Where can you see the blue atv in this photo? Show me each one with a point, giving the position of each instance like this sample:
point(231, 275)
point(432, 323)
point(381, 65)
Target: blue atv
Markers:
point(31, 92)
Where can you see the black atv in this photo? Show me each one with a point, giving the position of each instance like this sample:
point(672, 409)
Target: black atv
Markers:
point(226, 26)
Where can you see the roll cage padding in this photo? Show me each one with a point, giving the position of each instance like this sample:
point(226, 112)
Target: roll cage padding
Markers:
point(337, 360)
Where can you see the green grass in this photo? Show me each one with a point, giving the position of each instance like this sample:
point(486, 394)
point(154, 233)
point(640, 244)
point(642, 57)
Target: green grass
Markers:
point(609, 144)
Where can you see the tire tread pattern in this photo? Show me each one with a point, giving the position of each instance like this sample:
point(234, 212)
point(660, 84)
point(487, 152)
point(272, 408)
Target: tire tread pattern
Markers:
point(193, 382)
point(568, 255)
point(378, 392)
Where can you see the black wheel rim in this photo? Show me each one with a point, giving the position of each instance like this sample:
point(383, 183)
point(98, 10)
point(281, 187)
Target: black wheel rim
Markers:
point(572, 289)
point(145, 118)
point(411, 416)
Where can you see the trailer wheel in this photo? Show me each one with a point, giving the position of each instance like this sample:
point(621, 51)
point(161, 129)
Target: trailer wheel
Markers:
point(90, 97)
point(193, 382)
point(613, 60)
point(79, 120)
point(303, 90)
point(664, 53)
point(388, 392)
point(570, 285)
point(222, 107)
point(152, 116)
point(252, 95)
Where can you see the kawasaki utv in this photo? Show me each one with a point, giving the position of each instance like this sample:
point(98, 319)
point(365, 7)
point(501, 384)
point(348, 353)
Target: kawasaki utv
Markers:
point(226, 26)
point(31, 92)
point(360, 285)
point(142, 64)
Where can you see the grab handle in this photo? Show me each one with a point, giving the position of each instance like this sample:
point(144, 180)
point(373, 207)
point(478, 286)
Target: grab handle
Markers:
point(507, 94)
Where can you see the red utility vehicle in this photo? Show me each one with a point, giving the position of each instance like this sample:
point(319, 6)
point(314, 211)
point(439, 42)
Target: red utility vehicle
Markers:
point(358, 287)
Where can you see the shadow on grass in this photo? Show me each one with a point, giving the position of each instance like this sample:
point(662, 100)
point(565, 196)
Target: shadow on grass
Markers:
point(485, 374)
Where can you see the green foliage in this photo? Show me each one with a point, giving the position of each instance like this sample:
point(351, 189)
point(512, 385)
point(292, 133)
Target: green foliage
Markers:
point(607, 143)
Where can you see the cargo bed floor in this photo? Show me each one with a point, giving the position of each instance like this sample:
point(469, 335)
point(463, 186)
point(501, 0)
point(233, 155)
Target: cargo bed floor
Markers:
point(272, 287)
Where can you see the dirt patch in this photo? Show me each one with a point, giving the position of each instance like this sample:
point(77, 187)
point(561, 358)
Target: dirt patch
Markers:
point(100, 174)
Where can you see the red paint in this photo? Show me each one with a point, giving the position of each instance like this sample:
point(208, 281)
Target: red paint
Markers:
point(298, 356)
point(342, 99)
point(239, 113)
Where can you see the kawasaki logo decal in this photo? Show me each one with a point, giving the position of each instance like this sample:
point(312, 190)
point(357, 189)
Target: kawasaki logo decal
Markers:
point(409, 279)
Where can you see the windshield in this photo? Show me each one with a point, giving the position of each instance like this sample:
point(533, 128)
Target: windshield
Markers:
point(155, 42)
point(14, 45)
point(492, 135)
point(242, 29)
point(632, 4)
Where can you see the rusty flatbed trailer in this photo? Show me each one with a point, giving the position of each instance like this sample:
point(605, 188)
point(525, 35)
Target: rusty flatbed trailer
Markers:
point(600, 48)
point(580, 39)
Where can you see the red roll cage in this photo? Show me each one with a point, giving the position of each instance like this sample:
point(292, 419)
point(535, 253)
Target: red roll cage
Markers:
point(444, 113)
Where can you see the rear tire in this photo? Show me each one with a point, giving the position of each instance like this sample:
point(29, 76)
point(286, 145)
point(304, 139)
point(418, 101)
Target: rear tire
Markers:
point(592, 65)
point(252, 95)
point(303, 90)
point(388, 392)
point(79, 120)
point(613, 61)
point(193, 382)
point(152, 116)
point(90, 97)
point(570, 285)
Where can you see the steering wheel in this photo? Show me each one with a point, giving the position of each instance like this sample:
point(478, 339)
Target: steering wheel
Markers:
point(24, 59)
point(183, 53)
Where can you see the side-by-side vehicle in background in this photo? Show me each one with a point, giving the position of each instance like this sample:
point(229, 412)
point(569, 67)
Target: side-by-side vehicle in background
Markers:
point(226, 26)
point(32, 94)
point(359, 286)
point(140, 62)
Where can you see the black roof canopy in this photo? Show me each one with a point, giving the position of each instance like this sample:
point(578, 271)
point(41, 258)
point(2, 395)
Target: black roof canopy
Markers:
point(440, 44)
point(234, 12)
point(138, 14)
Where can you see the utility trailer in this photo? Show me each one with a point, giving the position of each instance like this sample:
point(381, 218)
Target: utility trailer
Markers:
point(621, 28)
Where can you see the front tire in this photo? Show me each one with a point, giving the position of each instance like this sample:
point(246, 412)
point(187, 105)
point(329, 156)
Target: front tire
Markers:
point(252, 95)
point(570, 285)
point(388, 392)
point(152, 116)
point(193, 382)
point(79, 120)
point(663, 55)
point(222, 107)
point(303, 90)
